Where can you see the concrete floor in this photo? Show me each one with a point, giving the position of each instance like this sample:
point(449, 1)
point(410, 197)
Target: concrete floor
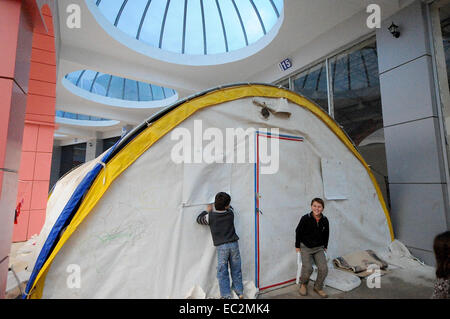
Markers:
point(15, 257)
point(411, 283)
point(416, 283)
point(19, 264)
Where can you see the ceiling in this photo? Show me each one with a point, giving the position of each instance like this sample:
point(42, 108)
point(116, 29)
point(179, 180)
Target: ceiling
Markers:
point(103, 48)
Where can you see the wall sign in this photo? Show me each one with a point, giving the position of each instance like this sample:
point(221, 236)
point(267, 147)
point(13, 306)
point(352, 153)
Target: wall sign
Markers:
point(285, 64)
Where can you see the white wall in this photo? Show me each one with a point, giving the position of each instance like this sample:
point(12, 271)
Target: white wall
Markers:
point(344, 35)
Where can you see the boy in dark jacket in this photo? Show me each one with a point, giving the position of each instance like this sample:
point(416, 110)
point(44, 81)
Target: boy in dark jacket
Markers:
point(311, 241)
point(221, 224)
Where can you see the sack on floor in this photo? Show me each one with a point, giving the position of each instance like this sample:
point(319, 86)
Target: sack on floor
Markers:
point(361, 263)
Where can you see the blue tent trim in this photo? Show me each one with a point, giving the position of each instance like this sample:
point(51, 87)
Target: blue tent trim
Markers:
point(65, 217)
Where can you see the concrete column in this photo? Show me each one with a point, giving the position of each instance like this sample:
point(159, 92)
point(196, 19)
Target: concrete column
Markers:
point(414, 152)
point(126, 129)
point(94, 148)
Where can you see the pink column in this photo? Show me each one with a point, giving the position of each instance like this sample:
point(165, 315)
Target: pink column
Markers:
point(15, 38)
point(37, 145)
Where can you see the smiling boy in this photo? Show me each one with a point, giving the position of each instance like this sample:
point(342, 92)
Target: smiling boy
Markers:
point(311, 241)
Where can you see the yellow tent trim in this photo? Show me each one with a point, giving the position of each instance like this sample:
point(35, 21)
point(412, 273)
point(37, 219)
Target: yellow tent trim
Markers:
point(134, 149)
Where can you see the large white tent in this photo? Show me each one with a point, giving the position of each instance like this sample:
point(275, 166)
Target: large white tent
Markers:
point(127, 220)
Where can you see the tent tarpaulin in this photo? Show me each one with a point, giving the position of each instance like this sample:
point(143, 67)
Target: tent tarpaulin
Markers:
point(130, 234)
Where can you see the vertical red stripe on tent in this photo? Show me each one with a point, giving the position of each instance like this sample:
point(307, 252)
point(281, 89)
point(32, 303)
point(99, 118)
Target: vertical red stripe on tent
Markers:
point(290, 138)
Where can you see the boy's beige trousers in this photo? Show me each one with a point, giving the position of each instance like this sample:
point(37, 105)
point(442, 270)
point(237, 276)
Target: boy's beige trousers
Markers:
point(316, 254)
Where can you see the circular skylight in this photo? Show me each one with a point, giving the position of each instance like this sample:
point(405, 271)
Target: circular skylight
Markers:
point(68, 118)
point(118, 88)
point(195, 27)
point(80, 117)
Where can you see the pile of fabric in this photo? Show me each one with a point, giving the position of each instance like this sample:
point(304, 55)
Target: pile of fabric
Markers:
point(361, 263)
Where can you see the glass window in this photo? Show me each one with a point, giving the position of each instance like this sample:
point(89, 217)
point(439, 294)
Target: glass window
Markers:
point(109, 142)
point(110, 9)
point(73, 76)
point(356, 91)
point(356, 101)
point(312, 83)
point(151, 28)
point(101, 84)
point(444, 13)
point(168, 92)
point(71, 157)
point(69, 115)
point(267, 13)
point(194, 28)
point(284, 83)
point(131, 17)
point(251, 22)
point(357, 105)
point(215, 42)
point(144, 92)
point(158, 93)
point(233, 29)
point(173, 27)
point(116, 87)
point(86, 79)
point(130, 90)
point(279, 5)
point(442, 57)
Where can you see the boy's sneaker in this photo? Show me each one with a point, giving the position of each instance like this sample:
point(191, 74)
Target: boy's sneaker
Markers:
point(303, 290)
point(240, 296)
point(321, 293)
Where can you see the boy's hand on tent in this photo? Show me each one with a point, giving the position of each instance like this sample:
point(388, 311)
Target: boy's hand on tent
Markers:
point(297, 250)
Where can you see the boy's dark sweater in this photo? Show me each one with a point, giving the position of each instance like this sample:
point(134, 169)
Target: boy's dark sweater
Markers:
point(312, 233)
point(221, 225)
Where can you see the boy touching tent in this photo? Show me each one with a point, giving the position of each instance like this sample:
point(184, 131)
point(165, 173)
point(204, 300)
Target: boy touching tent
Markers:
point(221, 224)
